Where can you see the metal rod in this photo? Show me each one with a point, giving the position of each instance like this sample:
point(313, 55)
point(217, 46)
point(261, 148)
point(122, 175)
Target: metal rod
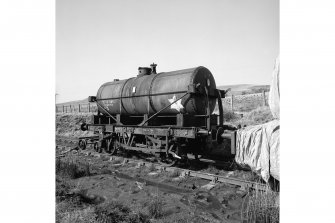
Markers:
point(143, 95)
point(220, 108)
point(148, 105)
point(208, 112)
point(110, 115)
point(163, 109)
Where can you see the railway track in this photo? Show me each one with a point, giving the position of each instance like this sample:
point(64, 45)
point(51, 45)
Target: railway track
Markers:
point(69, 144)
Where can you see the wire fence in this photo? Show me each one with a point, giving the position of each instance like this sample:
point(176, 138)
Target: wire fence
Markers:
point(77, 108)
point(241, 103)
point(245, 103)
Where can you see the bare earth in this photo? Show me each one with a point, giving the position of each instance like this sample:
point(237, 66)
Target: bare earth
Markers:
point(183, 199)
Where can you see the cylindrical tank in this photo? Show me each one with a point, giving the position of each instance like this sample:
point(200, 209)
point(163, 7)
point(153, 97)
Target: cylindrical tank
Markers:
point(150, 93)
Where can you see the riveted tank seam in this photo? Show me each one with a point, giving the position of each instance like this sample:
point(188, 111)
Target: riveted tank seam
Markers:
point(124, 84)
point(99, 94)
point(150, 92)
point(131, 99)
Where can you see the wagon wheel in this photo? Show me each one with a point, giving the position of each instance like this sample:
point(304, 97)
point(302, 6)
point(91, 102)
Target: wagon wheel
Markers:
point(82, 144)
point(169, 157)
point(97, 147)
point(219, 132)
point(116, 147)
point(112, 146)
point(108, 146)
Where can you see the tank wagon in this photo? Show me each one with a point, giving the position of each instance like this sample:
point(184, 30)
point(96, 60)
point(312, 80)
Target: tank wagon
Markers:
point(169, 115)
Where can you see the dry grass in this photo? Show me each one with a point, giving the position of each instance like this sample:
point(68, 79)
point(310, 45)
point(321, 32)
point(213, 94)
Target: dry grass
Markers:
point(261, 206)
point(70, 206)
point(69, 124)
point(155, 207)
point(72, 170)
point(229, 115)
point(68, 211)
point(118, 212)
point(152, 167)
point(116, 161)
point(174, 173)
point(212, 169)
point(62, 189)
point(257, 116)
point(86, 215)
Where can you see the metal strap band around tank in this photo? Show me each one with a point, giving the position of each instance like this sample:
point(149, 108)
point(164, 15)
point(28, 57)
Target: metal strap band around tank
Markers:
point(208, 113)
point(150, 90)
point(220, 108)
point(144, 95)
point(121, 104)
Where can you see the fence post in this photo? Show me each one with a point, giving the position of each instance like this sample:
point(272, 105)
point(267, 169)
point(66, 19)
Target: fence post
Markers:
point(232, 103)
point(264, 99)
point(89, 108)
point(79, 108)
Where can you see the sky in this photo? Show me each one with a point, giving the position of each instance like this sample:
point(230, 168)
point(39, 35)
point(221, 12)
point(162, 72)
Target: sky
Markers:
point(101, 40)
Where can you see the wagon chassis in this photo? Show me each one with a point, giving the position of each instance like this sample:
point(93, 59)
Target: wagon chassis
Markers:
point(165, 142)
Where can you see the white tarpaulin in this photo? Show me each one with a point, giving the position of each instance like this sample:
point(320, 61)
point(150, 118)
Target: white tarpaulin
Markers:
point(274, 94)
point(258, 148)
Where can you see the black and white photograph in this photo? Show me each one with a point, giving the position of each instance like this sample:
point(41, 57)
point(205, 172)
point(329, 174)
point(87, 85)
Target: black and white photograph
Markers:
point(164, 111)
point(167, 111)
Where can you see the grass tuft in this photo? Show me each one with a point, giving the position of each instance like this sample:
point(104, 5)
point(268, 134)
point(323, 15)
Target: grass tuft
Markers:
point(262, 206)
point(117, 212)
point(116, 161)
point(155, 207)
point(174, 173)
point(257, 116)
point(86, 215)
point(72, 170)
point(112, 212)
point(152, 168)
point(212, 169)
point(229, 115)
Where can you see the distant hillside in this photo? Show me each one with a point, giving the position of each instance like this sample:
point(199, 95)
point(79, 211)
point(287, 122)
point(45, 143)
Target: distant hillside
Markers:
point(236, 89)
point(239, 89)
point(84, 101)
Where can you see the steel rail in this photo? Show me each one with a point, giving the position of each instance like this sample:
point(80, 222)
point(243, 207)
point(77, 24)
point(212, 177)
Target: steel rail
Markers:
point(243, 184)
